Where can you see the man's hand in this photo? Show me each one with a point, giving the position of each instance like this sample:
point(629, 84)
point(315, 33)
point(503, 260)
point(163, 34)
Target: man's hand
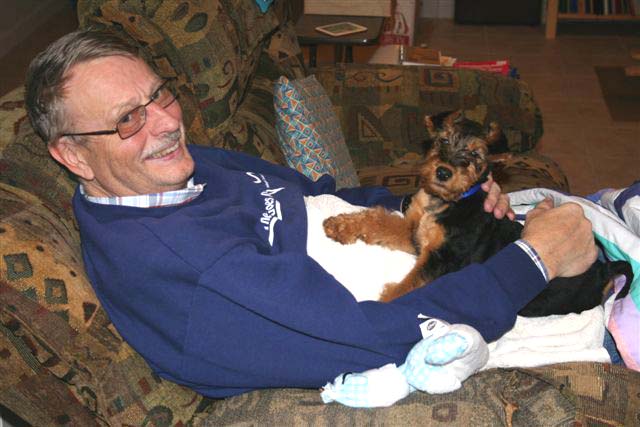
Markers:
point(562, 237)
point(496, 202)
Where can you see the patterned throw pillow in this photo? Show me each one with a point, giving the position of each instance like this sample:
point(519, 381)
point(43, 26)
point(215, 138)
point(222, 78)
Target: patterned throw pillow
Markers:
point(309, 131)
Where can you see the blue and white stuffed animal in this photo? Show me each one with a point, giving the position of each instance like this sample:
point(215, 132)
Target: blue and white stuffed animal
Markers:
point(446, 356)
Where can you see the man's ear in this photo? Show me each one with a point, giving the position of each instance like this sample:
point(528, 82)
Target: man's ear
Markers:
point(71, 155)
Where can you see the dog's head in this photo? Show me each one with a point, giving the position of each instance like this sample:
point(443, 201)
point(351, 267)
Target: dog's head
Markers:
point(457, 159)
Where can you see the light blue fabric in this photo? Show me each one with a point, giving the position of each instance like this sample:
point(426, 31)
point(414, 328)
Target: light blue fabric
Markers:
point(446, 356)
point(427, 358)
point(264, 5)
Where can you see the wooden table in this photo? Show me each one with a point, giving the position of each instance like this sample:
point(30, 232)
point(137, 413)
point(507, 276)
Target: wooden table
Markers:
point(343, 45)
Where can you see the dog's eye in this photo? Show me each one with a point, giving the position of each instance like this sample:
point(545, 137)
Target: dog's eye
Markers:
point(444, 141)
point(475, 154)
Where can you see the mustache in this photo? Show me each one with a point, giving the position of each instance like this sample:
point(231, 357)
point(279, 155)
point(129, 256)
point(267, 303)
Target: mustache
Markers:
point(172, 137)
point(166, 140)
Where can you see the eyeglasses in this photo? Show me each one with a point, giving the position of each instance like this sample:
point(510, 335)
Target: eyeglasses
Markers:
point(134, 120)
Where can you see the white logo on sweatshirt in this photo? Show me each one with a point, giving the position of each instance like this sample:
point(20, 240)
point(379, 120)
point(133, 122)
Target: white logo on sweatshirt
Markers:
point(272, 212)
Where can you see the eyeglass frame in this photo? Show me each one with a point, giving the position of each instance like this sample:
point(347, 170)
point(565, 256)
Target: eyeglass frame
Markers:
point(165, 82)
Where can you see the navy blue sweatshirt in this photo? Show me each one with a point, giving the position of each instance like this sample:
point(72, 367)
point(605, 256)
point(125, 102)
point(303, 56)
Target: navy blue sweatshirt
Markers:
point(219, 294)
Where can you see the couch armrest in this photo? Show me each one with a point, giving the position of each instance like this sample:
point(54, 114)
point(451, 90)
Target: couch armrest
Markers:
point(381, 107)
point(61, 360)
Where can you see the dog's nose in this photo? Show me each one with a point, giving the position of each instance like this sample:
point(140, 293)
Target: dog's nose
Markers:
point(443, 174)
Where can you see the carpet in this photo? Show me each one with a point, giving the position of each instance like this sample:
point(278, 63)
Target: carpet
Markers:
point(621, 93)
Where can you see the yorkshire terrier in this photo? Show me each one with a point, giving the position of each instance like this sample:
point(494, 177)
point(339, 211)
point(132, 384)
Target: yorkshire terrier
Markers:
point(446, 227)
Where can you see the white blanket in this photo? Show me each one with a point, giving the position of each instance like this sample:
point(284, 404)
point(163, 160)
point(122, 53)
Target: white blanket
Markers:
point(365, 269)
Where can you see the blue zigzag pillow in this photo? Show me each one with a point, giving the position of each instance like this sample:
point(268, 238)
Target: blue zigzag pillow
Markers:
point(309, 131)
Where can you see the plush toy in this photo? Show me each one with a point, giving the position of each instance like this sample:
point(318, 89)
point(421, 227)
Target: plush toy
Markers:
point(446, 356)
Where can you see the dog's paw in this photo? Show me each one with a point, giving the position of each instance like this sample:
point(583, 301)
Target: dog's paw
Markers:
point(344, 228)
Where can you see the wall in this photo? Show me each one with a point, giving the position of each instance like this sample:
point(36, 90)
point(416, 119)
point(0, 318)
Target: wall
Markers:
point(437, 9)
point(20, 17)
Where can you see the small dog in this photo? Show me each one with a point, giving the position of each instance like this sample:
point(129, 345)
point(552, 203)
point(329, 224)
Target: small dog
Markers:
point(447, 228)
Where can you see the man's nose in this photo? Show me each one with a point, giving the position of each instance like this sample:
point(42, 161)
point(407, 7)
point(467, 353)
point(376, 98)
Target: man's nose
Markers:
point(443, 174)
point(163, 119)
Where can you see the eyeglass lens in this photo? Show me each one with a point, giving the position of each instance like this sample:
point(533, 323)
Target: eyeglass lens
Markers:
point(133, 121)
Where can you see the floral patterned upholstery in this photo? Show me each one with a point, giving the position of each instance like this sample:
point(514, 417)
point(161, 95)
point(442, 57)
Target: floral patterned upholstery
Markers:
point(62, 361)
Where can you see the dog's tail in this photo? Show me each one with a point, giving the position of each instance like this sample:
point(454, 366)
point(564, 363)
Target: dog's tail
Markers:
point(617, 268)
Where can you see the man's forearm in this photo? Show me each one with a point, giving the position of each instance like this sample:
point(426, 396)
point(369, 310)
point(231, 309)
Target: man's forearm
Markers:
point(486, 296)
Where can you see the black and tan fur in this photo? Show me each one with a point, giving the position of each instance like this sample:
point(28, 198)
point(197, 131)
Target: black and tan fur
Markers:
point(447, 229)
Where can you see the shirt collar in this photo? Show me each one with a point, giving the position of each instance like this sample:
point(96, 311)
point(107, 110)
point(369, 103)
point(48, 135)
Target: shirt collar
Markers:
point(155, 200)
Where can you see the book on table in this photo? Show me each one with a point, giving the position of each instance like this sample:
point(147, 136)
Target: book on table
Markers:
point(341, 29)
point(421, 55)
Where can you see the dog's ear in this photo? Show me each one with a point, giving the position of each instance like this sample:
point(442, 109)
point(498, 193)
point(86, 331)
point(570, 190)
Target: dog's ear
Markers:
point(451, 119)
point(493, 133)
point(443, 121)
point(430, 124)
point(496, 139)
point(456, 116)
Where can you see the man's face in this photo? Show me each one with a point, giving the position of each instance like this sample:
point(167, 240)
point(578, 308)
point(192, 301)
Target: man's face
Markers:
point(97, 95)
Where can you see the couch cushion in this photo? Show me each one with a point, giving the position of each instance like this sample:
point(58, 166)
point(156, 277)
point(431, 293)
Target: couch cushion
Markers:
point(563, 394)
point(513, 171)
point(212, 47)
point(310, 133)
point(63, 363)
point(25, 162)
point(381, 107)
point(520, 171)
point(489, 398)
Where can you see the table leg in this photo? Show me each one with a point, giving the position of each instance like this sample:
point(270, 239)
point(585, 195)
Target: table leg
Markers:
point(349, 54)
point(552, 19)
point(338, 53)
point(313, 55)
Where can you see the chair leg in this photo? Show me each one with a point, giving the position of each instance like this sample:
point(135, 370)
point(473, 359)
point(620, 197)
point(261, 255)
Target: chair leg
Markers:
point(552, 19)
point(349, 54)
point(338, 53)
point(313, 56)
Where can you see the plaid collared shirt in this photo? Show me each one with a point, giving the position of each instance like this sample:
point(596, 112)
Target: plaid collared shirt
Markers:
point(155, 200)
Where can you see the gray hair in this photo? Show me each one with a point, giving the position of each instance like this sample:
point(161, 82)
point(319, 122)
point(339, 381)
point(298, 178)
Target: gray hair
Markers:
point(48, 73)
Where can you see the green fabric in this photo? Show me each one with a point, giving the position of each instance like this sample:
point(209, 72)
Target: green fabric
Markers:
point(62, 362)
point(25, 162)
point(512, 171)
point(381, 107)
point(215, 49)
point(570, 394)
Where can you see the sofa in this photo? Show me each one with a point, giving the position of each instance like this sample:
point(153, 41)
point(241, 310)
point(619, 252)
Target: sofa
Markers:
point(62, 361)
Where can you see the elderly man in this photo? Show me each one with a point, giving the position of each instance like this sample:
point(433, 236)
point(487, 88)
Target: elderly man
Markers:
point(209, 294)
